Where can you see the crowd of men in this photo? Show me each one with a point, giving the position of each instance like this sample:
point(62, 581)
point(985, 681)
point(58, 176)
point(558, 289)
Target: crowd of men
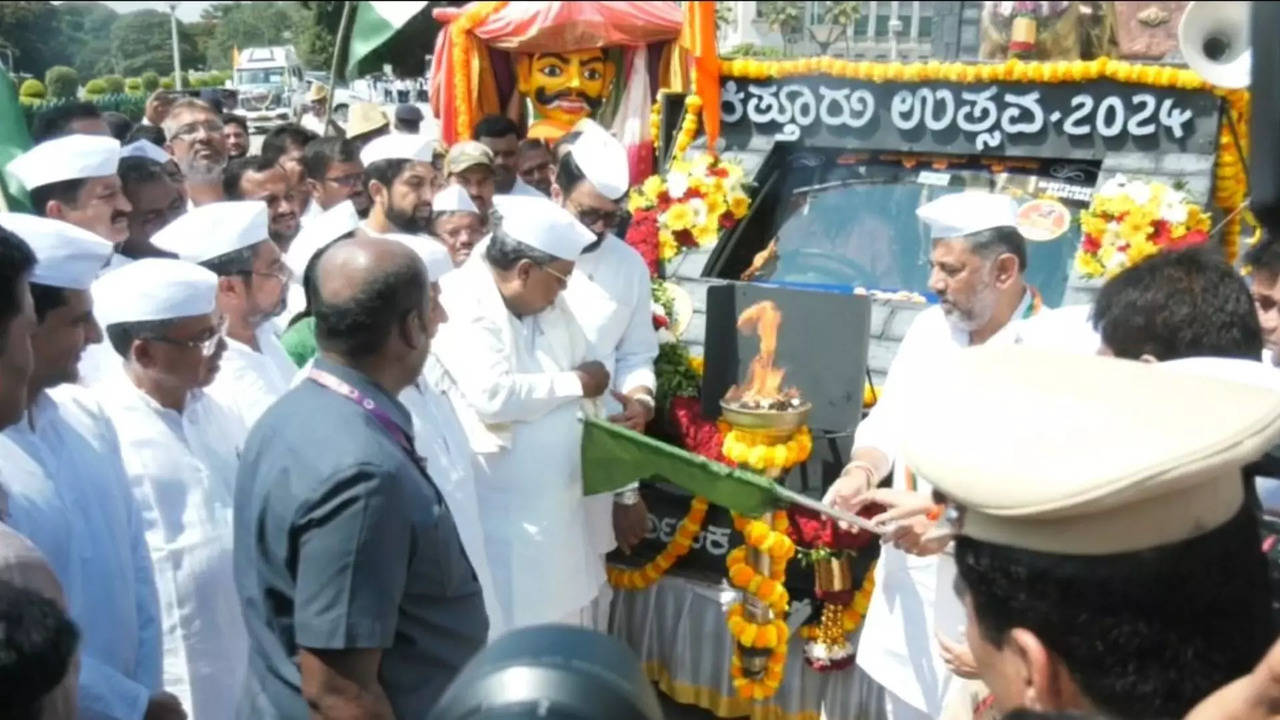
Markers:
point(296, 433)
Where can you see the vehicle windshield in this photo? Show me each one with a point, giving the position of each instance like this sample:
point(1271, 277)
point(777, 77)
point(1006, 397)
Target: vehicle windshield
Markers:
point(260, 76)
point(854, 224)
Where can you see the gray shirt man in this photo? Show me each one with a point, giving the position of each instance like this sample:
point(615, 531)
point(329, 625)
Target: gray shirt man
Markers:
point(342, 541)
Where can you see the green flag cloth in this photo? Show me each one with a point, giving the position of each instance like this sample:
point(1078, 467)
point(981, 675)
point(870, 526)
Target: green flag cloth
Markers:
point(613, 457)
point(374, 24)
point(14, 141)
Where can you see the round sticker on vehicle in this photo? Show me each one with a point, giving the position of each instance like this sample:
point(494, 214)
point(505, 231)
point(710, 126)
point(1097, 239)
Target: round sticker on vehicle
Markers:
point(1043, 220)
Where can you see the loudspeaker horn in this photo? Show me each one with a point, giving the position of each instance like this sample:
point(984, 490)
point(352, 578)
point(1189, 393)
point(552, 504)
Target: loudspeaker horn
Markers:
point(1214, 39)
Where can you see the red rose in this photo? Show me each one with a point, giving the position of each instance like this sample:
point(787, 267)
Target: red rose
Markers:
point(660, 321)
point(811, 529)
point(1091, 244)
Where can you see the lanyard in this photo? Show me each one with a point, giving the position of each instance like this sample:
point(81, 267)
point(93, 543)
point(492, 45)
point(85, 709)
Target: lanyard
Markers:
point(392, 428)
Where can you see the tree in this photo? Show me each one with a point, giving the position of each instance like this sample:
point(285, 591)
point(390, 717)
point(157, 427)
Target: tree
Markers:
point(839, 18)
point(786, 18)
point(85, 29)
point(31, 29)
point(150, 81)
point(133, 86)
point(141, 40)
point(243, 25)
point(62, 81)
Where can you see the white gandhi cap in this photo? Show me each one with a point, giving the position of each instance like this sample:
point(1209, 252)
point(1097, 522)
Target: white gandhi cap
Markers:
point(154, 289)
point(602, 159)
point(541, 224)
point(66, 256)
point(66, 158)
point(453, 198)
point(212, 230)
point(965, 213)
point(319, 232)
point(397, 147)
point(1085, 455)
point(145, 149)
point(433, 253)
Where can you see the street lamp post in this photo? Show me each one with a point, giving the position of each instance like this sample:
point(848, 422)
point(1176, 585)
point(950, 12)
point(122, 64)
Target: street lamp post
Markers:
point(173, 30)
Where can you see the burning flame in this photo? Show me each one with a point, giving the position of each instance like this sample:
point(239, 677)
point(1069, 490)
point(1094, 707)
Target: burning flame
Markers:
point(763, 384)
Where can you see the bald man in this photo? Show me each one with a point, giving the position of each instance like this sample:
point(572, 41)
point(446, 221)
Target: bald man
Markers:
point(346, 555)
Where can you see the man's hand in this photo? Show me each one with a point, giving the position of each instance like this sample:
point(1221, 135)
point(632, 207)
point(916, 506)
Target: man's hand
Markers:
point(635, 413)
point(958, 658)
point(594, 377)
point(165, 706)
point(630, 524)
point(1255, 696)
point(854, 481)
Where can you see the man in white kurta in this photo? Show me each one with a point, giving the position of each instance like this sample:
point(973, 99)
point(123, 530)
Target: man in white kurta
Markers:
point(978, 263)
point(181, 451)
point(68, 490)
point(520, 371)
point(231, 240)
point(610, 296)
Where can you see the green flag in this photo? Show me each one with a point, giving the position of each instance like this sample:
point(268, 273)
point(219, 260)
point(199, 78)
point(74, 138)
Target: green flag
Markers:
point(613, 457)
point(14, 140)
point(375, 23)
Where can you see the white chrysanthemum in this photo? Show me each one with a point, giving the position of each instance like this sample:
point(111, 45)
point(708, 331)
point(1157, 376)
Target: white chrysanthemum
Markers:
point(677, 185)
point(665, 336)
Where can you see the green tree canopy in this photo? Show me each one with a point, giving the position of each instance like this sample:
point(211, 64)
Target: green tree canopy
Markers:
point(85, 30)
point(62, 81)
point(31, 29)
point(141, 40)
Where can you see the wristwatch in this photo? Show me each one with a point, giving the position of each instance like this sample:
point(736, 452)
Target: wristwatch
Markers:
point(628, 497)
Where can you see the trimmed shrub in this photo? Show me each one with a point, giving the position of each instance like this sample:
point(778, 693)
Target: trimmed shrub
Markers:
point(62, 81)
point(186, 79)
point(32, 89)
point(166, 83)
point(114, 84)
point(95, 88)
point(150, 82)
point(133, 86)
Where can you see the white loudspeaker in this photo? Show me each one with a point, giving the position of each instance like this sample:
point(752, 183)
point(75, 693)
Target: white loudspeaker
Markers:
point(1214, 39)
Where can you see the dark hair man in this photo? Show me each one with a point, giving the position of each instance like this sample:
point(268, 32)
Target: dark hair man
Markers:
point(153, 134)
point(17, 322)
point(73, 118)
point(37, 645)
point(1263, 260)
point(502, 137)
point(408, 119)
point(536, 165)
point(193, 134)
point(1067, 580)
point(118, 124)
point(401, 181)
point(256, 177)
point(286, 144)
point(235, 133)
point(334, 173)
point(470, 165)
point(73, 178)
point(156, 201)
point(1178, 305)
point(358, 595)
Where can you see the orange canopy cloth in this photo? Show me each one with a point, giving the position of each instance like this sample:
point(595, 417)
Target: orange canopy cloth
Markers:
point(532, 27)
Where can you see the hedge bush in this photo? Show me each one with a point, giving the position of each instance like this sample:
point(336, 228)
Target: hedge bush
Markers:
point(133, 86)
point(114, 84)
point(32, 89)
point(95, 88)
point(150, 82)
point(62, 81)
point(131, 106)
point(166, 83)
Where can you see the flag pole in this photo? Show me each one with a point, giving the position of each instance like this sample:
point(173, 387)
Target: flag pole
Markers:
point(338, 44)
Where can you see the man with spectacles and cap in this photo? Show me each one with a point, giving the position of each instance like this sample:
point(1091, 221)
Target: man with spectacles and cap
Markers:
point(193, 134)
point(73, 178)
point(1121, 577)
point(469, 165)
point(518, 371)
point(401, 181)
point(231, 239)
point(609, 294)
point(979, 260)
point(456, 222)
point(181, 449)
point(85, 519)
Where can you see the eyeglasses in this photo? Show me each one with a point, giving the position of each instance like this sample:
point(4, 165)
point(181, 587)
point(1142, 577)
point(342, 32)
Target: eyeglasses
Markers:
point(284, 275)
point(190, 130)
point(564, 279)
point(347, 181)
point(592, 216)
point(207, 342)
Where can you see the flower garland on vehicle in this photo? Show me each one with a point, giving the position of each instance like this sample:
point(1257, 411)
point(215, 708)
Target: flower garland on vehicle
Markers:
point(769, 538)
point(1129, 221)
point(1229, 187)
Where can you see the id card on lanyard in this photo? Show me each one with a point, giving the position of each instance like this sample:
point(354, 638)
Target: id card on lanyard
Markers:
point(390, 426)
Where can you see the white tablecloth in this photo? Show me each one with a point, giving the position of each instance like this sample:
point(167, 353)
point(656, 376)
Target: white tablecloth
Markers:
point(677, 628)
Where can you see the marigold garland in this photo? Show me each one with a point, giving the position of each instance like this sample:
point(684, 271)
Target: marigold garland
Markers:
point(1229, 187)
point(475, 14)
point(770, 538)
point(686, 533)
point(747, 448)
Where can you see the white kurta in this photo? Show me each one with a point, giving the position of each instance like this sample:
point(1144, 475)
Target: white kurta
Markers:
point(1068, 329)
point(100, 362)
point(524, 189)
point(101, 553)
point(610, 296)
point(250, 381)
point(182, 469)
point(439, 437)
point(518, 400)
point(897, 647)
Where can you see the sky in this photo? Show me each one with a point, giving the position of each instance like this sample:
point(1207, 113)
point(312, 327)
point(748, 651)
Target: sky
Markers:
point(187, 11)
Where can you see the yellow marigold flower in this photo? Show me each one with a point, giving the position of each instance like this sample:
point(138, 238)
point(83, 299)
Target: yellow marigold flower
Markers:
point(1092, 225)
point(651, 186)
point(1088, 265)
point(667, 245)
point(738, 204)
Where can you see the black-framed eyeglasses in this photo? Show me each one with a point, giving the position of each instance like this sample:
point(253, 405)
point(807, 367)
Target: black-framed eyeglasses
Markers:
point(190, 130)
point(347, 181)
point(592, 216)
point(207, 342)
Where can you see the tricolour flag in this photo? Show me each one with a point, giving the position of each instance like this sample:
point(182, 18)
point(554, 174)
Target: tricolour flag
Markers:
point(374, 24)
point(14, 140)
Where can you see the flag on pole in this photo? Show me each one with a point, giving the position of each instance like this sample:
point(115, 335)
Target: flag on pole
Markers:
point(14, 141)
point(375, 23)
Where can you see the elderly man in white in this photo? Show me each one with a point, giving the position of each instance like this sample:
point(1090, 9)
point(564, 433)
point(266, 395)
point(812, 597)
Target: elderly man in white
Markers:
point(181, 451)
point(230, 239)
point(978, 261)
point(68, 491)
point(518, 370)
point(610, 296)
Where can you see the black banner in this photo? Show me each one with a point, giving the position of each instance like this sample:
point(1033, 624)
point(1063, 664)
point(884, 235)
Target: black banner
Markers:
point(1066, 120)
